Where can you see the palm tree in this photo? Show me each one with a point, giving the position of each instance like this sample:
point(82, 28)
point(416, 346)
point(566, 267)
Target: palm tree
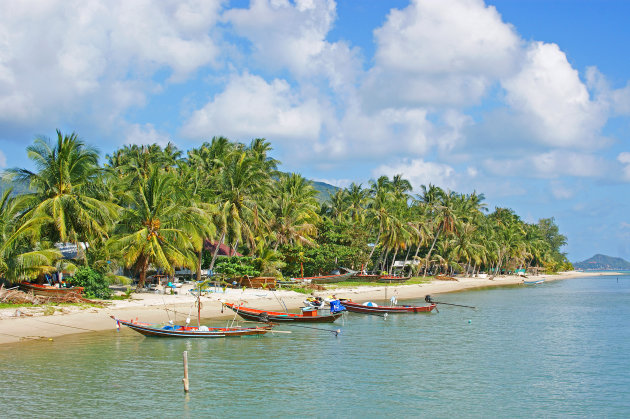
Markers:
point(61, 201)
point(19, 258)
point(240, 184)
point(294, 211)
point(356, 198)
point(335, 207)
point(153, 230)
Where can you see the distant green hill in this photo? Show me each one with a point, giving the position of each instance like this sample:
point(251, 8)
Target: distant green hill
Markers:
point(602, 263)
point(325, 190)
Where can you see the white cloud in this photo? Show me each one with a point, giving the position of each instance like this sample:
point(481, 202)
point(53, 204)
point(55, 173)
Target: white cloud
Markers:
point(553, 102)
point(292, 35)
point(251, 107)
point(446, 52)
point(549, 165)
point(420, 172)
point(146, 134)
point(560, 191)
point(60, 59)
point(3, 160)
point(624, 159)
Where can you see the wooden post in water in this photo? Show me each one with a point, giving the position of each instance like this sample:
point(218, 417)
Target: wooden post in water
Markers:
point(185, 379)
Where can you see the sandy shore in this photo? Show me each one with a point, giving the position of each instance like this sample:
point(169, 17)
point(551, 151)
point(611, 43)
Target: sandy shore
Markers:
point(32, 323)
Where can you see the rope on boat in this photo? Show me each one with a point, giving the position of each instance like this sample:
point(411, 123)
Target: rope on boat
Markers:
point(429, 300)
point(65, 325)
point(336, 332)
point(286, 310)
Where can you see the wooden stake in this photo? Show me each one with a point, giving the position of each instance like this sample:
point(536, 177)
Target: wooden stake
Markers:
point(185, 379)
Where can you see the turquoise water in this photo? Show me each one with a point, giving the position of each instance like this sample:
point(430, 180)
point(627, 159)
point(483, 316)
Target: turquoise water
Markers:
point(552, 350)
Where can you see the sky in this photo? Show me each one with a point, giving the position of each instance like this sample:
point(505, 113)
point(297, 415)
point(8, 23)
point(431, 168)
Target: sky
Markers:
point(527, 102)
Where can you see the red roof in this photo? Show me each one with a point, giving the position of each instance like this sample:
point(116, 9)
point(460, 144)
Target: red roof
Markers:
point(224, 250)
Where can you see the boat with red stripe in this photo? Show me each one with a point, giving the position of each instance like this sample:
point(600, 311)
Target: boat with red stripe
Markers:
point(170, 330)
point(372, 308)
point(308, 316)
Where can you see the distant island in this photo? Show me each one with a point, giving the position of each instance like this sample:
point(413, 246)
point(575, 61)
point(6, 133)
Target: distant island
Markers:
point(602, 263)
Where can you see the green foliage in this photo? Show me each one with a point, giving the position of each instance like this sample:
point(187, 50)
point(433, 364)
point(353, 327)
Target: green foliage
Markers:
point(236, 266)
point(206, 259)
point(94, 283)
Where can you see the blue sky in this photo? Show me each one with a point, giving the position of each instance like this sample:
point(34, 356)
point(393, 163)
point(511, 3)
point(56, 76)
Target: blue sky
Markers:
point(527, 102)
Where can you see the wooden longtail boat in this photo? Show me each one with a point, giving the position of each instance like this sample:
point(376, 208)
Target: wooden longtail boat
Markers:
point(534, 281)
point(48, 290)
point(191, 332)
point(279, 317)
point(365, 277)
point(393, 278)
point(325, 279)
point(376, 309)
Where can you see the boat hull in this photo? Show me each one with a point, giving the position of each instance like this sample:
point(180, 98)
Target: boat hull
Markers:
point(193, 332)
point(393, 279)
point(328, 279)
point(48, 291)
point(365, 278)
point(360, 308)
point(278, 317)
point(538, 281)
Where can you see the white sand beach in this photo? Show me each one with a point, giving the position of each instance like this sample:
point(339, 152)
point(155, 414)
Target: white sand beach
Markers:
point(29, 323)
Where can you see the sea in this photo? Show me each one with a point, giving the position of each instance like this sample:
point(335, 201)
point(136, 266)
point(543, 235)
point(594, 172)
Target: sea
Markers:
point(553, 350)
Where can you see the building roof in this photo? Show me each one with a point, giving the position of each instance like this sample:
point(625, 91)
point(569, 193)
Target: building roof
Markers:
point(224, 250)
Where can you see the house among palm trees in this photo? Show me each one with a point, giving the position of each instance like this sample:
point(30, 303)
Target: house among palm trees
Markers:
point(224, 250)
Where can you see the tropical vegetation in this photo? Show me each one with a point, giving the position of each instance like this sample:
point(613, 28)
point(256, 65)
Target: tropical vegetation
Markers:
point(154, 209)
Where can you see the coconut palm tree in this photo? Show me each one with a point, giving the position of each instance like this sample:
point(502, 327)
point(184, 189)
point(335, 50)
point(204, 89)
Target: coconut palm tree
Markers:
point(19, 258)
point(356, 200)
point(335, 207)
point(293, 213)
point(60, 201)
point(242, 182)
point(155, 229)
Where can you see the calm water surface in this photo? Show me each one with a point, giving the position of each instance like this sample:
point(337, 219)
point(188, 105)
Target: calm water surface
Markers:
point(552, 350)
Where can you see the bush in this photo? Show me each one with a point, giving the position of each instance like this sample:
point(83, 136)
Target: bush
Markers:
point(236, 267)
point(94, 284)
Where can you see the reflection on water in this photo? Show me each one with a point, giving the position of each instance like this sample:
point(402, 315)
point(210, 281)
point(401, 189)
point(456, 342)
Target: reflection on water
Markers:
point(553, 349)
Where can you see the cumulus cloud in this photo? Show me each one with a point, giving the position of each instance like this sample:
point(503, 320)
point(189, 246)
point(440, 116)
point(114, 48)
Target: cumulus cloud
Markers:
point(553, 101)
point(292, 35)
point(64, 58)
point(145, 134)
point(3, 160)
point(624, 159)
point(420, 172)
point(446, 52)
point(252, 107)
point(549, 165)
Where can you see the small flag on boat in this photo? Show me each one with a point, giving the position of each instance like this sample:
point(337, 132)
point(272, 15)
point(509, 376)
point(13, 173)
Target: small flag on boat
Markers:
point(117, 325)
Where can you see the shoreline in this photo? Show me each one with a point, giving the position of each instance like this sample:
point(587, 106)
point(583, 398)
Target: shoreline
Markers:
point(33, 324)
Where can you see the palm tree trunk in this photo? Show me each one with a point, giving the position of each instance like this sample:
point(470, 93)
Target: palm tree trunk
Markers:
point(216, 251)
point(199, 256)
point(143, 273)
point(384, 262)
point(405, 262)
point(430, 250)
point(391, 267)
point(378, 237)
